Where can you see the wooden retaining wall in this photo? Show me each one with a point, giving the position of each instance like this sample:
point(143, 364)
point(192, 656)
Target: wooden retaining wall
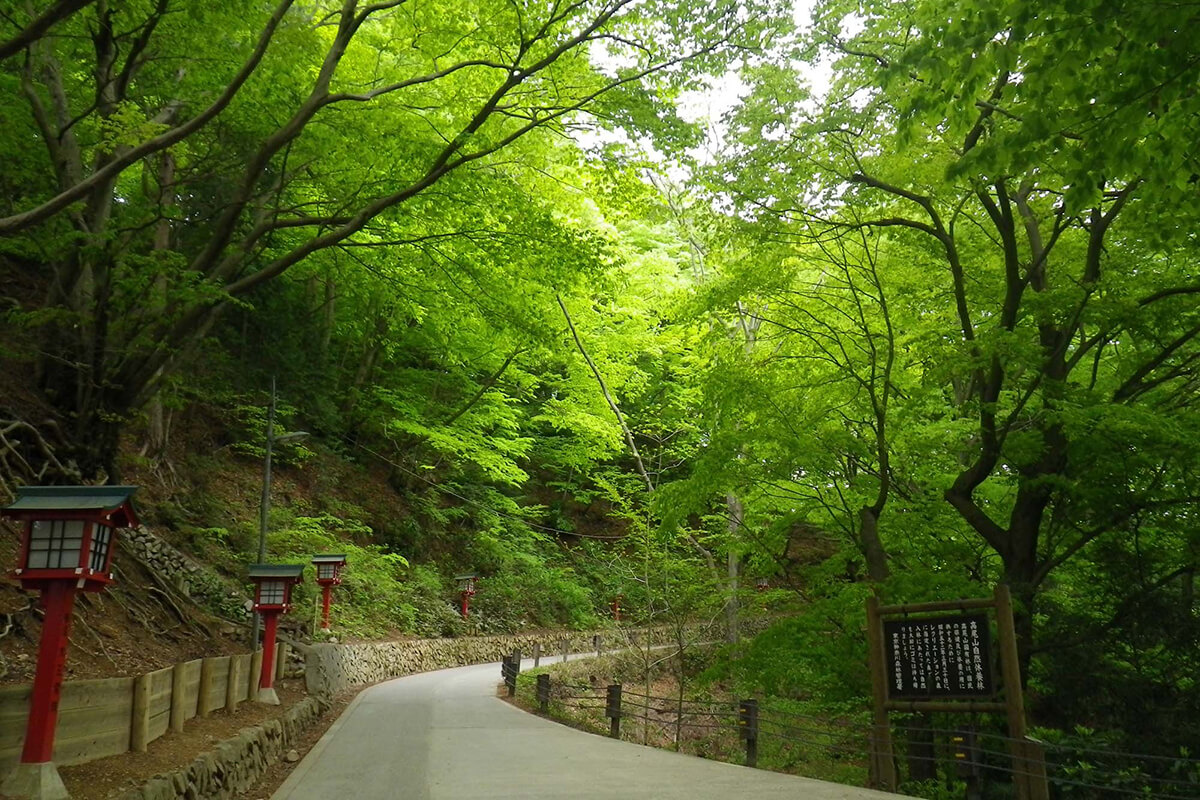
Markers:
point(106, 717)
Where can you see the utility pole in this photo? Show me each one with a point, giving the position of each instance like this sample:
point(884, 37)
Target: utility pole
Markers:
point(264, 508)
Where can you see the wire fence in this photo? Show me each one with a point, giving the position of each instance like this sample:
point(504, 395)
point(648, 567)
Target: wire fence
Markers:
point(974, 762)
point(985, 761)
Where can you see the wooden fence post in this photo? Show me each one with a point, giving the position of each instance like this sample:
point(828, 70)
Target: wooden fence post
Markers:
point(281, 652)
point(1027, 782)
point(510, 667)
point(566, 647)
point(966, 761)
point(178, 690)
point(231, 686)
point(883, 761)
point(543, 692)
point(1035, 757)
point(203, 702)
point(255, 674)
point(537, 654)
point(139, 733)
point(596, 640)
point(748, 727)
point(612, 710)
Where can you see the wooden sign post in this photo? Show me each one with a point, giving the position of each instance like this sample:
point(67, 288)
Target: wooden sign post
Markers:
point(923, 659)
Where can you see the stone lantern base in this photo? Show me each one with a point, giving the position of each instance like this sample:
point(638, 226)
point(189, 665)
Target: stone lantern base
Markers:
point(268, 696)
point(34, 782)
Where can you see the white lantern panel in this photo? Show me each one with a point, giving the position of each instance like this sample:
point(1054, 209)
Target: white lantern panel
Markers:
point(101, 540)
point(272, 593)
point(326, 571)
point(55, 544)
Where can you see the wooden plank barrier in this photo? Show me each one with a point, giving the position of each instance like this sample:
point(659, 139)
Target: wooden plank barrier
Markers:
point(204, 689)
point(159, 711)
point(178, 680)
point(243, 671)
point(191, 688)
point(181, 697)
point(234, 684)
point(14, 709)
point(94, 720)
point(139, 731)
point(110, 716)
point(218, 687)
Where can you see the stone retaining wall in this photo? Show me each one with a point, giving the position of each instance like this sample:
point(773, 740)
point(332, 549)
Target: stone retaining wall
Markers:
point(237, 764)
point(333, 668)
point(191, 577)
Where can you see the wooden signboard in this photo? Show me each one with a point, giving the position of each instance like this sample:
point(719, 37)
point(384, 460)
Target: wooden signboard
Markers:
point(939, 657)
point(925, 660)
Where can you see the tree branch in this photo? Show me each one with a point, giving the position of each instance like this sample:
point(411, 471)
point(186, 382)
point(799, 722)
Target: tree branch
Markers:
point(40, 25)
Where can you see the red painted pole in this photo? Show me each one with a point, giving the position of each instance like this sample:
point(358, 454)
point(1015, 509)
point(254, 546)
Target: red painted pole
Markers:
point(326, 594)
point(466, 605)
point(58, 599)
point(270, 624)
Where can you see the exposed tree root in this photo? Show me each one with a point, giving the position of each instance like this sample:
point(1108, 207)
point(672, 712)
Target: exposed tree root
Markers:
point(29, 456)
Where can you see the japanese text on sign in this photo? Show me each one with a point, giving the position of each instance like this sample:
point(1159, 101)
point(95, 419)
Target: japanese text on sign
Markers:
point(938, 657)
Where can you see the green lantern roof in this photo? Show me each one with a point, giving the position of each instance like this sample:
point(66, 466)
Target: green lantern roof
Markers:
point(329, 558)
point(294, 571)
point(32, 499)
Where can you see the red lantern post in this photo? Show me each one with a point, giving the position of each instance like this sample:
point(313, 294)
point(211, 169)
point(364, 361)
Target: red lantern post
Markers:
point(66, 547)
point(466, 590)
point(616, 607)
point(272, 596)
point(329, 574)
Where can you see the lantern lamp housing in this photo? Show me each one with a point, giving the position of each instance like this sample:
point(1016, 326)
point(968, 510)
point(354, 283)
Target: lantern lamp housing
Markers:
point(273, 585)
point(70, 533)
point(329, 568)
point(762, 584)
point(466, 583)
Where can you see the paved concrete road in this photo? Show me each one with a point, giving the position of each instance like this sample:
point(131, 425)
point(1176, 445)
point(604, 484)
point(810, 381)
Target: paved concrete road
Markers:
point(446, 735)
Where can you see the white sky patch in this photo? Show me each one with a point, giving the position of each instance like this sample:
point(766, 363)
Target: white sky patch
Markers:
point(706, 106)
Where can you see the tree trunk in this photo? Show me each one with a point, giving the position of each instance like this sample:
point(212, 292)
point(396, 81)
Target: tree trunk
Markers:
point(327, 317)
point(872, 546)
point(366, 364)
point(737, 515)
point(1020, 575)
point(157, 422)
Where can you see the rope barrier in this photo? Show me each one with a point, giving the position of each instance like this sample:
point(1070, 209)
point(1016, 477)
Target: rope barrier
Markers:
point(838, 722)
point(783, 726)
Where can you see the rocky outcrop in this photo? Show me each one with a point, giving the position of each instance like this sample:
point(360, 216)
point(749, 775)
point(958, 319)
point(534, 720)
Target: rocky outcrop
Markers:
point(237, 764)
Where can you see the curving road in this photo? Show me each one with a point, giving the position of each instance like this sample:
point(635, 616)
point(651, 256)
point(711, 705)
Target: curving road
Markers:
point(446, 735)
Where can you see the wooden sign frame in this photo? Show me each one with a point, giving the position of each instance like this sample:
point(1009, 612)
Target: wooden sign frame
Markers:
point(1028, 762)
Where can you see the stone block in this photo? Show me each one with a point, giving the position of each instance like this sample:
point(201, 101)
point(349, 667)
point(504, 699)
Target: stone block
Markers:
point(34, 782)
